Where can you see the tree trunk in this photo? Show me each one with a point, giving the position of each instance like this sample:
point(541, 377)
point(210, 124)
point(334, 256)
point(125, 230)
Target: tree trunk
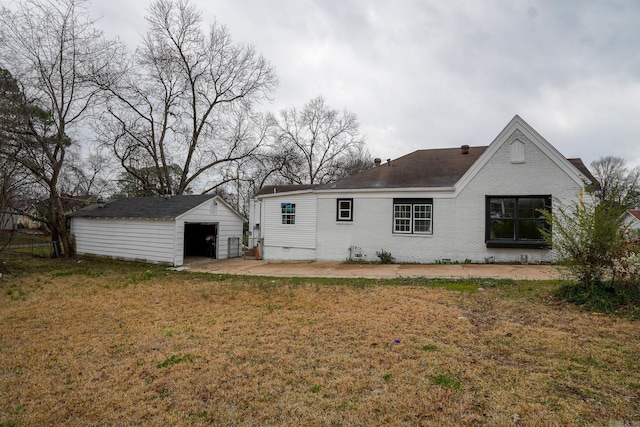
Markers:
point(60, 237)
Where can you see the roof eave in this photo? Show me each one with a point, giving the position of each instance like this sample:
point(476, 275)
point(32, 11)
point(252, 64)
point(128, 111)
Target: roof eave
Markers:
point(142, 218)
point(388, 190)
point(283, 193)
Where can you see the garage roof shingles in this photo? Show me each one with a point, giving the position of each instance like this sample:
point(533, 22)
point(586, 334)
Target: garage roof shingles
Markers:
point(145, 207)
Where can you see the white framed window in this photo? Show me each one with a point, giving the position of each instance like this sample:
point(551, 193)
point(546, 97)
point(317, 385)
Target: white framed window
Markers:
point(413, 216)
point(422, 218)
point(288, 211)
point(344, 210)
point(401, 218)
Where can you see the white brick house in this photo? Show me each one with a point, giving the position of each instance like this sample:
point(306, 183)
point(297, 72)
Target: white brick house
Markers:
point(470, 203)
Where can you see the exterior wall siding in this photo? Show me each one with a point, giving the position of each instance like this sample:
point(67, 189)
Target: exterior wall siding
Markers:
point(289, 241)
point(145, 240)
point(229, 225)
point(154, 241)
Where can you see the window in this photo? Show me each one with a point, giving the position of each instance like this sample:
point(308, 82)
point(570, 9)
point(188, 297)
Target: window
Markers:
point(516, 221)
point(412, 216)
point(288, 211)
point(401, 218)
point(344, 210)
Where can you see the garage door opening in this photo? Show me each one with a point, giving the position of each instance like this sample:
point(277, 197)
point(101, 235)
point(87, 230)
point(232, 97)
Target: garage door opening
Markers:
point(201, 240)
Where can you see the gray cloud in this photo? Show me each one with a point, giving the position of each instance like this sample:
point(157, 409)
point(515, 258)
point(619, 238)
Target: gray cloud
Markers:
point(424, 74)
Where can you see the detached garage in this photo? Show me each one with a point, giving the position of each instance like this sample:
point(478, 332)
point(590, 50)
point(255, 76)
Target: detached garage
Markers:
point(158, 229)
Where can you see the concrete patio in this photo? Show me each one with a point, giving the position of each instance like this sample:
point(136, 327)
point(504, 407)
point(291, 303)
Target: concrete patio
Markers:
point(253, 267)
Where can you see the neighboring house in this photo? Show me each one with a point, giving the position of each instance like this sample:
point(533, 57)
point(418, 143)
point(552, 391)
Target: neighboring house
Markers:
point(632, 221)
point(158, 229)
point(27, 221)
point(478, 204)
point(8, 220)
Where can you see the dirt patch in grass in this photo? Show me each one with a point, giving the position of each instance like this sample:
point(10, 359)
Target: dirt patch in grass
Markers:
point(120, 344)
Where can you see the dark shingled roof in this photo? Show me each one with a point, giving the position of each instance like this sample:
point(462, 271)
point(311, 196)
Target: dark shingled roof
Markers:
point(582, 168)
point(423, 168)
point(144, 207)
point(271, 189)
point(430, 168)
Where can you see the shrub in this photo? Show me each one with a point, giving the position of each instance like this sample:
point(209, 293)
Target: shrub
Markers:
point(586, 238)
point(592, 243)
point(385, 257)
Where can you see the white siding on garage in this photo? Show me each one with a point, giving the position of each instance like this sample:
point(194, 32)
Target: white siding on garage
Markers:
point(135, 239)
point(154, 240)
point(210, 212)
point(289, 241)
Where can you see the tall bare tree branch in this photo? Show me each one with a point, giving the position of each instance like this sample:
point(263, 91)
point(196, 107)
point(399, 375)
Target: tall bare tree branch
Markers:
point(184, 98)
point(322, 138)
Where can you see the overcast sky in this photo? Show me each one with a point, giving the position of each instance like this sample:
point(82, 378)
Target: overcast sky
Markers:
point(439, 73)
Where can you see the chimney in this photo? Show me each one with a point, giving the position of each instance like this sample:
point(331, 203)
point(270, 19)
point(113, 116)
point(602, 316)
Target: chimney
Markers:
point(388, 162)
point(377, 161)
point(465, 149)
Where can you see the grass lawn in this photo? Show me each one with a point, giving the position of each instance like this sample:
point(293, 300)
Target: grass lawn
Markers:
point(107, 343)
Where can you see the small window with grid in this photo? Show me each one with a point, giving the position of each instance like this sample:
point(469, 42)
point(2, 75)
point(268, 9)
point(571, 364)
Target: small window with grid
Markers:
point(288, 211)
point(344, 210)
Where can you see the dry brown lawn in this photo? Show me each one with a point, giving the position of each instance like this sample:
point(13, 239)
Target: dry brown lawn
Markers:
point(96, 343)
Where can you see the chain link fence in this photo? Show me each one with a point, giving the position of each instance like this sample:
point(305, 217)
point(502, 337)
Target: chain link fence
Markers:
point(26, 242)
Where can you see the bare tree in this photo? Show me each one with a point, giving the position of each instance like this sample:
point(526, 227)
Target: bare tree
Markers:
point(617, 182)
point(145, 182)
point(185, 100)
point(53, 49)
point(84, 179)
point(321, 138)
point(254, 172)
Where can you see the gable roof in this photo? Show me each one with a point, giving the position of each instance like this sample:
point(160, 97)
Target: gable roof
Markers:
point(433, 168)
point(635, 213)
point(519, 130)
point(445, 168)
point(144, 207)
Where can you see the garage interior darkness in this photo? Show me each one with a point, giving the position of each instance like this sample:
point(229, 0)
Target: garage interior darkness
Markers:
point(201, 240)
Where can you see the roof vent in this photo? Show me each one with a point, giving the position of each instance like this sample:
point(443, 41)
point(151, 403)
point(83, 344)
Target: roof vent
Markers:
point(465, 149)
point(377, 161)
point(388, 162)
